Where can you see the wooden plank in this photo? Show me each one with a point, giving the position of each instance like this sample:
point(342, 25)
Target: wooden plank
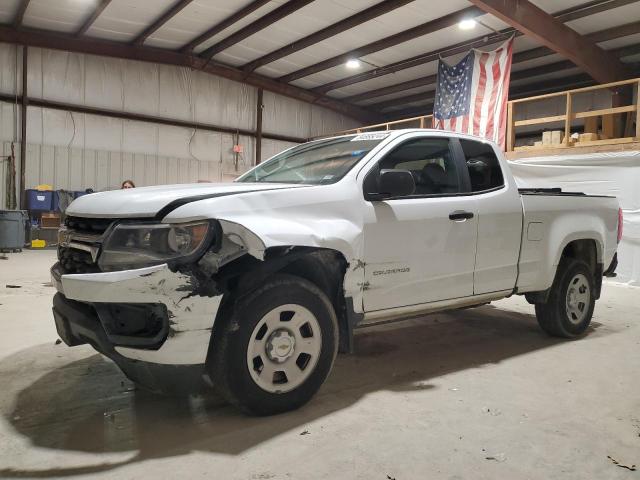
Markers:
point(591, 125)
point(638, 110)
point(538, 121)
point(610, 141)
point(578, 90)
point(577, 148)
point(608, 126)
point(511, 128)
point(527, 148)
point(606, 111)
point(567, 121)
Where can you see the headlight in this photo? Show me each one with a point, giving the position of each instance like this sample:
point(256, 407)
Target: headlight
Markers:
point(137, 245)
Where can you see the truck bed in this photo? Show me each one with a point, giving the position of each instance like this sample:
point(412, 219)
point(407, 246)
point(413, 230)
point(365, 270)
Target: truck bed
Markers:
point(550, 223)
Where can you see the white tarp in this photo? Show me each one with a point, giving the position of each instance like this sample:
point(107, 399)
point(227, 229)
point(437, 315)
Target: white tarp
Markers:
point(609, 173)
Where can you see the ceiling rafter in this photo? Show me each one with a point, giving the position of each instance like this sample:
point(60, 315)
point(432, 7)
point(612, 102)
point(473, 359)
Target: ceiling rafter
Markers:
point(552, 33)
point(93, 16)
point(515, 76)
point(171, 12)
point(227, 22)
point(390, 41)
point(596, 37)
point(564, 15)
point(599, 36)
point(263, 22)
point(330, 31)
point(19, 16)
point(521, 91)
point(416, 97)
point(95, 46)
point(590, 8)
point(391, 89)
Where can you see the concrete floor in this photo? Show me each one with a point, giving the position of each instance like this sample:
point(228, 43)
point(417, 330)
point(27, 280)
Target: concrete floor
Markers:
point(476, 394)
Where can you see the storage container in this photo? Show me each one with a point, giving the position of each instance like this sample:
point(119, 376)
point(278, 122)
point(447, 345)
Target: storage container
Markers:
point(12, 230)
point(39, 200)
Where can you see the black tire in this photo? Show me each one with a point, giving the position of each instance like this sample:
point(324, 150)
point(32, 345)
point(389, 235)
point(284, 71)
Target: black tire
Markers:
point(552, 316)
point(227, 361)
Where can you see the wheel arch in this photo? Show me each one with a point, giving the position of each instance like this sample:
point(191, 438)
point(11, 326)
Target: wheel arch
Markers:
point(325, 268)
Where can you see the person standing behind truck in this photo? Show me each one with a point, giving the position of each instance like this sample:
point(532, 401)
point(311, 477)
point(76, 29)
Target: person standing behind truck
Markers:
point(128, 184)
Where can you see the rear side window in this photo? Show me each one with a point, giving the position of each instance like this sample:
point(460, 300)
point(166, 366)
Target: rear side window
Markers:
point(483, 165)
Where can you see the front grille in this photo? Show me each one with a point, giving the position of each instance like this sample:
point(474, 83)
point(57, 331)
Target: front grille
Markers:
point(88, 225)
point(85, 233)
point(76, 261)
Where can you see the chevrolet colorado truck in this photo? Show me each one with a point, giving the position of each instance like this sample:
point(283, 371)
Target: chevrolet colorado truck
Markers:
point(252, 287)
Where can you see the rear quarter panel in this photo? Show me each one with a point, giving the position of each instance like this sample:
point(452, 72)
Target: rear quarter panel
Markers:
point(551, 222)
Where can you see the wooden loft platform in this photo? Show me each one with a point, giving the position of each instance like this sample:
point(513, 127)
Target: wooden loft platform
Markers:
point(603, 130)
point(599, 146)
point(612, 129)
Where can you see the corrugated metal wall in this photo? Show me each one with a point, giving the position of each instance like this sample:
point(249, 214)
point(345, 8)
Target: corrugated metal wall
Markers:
point(79, 151)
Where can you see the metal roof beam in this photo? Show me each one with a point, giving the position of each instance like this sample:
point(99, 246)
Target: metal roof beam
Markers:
point(565, 15)
point(405, 36)
point(600, 36)
point(94, 46)
point(330, 31)
point(227, 22)
point(263, 22)
point(160, 21)
point(394, 102)
point(93, 16)
point(543, 27)
point(19, 16)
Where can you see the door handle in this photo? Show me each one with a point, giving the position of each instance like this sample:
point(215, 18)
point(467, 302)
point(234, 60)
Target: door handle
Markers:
point(460, 215)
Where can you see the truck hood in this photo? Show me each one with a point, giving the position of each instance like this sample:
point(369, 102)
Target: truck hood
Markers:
point(150, 201)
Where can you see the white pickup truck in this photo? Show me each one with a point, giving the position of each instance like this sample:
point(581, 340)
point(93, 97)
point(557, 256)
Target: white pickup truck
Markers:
point(252, 287)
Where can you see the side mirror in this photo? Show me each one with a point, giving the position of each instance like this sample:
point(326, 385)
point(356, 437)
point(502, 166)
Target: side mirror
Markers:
point(394, 183)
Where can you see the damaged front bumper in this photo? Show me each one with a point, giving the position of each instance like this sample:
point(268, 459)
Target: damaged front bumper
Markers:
point(149, 315)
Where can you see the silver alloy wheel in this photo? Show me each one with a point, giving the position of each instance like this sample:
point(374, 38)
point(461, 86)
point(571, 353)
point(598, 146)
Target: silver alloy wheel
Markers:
point(284, 348)
point(578, 298)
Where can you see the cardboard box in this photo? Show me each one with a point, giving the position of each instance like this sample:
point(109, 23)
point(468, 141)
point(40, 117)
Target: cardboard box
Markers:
point(587, 137)
point(552, 137)
point(50, 220)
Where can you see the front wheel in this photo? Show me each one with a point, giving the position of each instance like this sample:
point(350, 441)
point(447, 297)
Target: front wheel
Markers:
point(274, 349)
point(569, 308)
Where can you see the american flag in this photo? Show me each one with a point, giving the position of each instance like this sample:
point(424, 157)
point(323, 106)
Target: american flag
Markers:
point(471, 96)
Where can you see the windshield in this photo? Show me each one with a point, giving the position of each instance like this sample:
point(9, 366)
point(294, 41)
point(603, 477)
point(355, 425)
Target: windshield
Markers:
point(317, 163)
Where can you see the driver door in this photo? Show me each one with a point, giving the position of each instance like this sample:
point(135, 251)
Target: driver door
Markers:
point(420, 248)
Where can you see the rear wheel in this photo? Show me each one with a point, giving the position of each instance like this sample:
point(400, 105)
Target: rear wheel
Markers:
point(274, 349)
point(569, 308)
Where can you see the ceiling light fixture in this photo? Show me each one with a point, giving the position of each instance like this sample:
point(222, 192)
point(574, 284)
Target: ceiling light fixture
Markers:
point(353, 63)
point(467, 24)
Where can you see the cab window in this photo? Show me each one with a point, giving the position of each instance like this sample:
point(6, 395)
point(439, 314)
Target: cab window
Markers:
point(483, 165)
point(430, 162)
